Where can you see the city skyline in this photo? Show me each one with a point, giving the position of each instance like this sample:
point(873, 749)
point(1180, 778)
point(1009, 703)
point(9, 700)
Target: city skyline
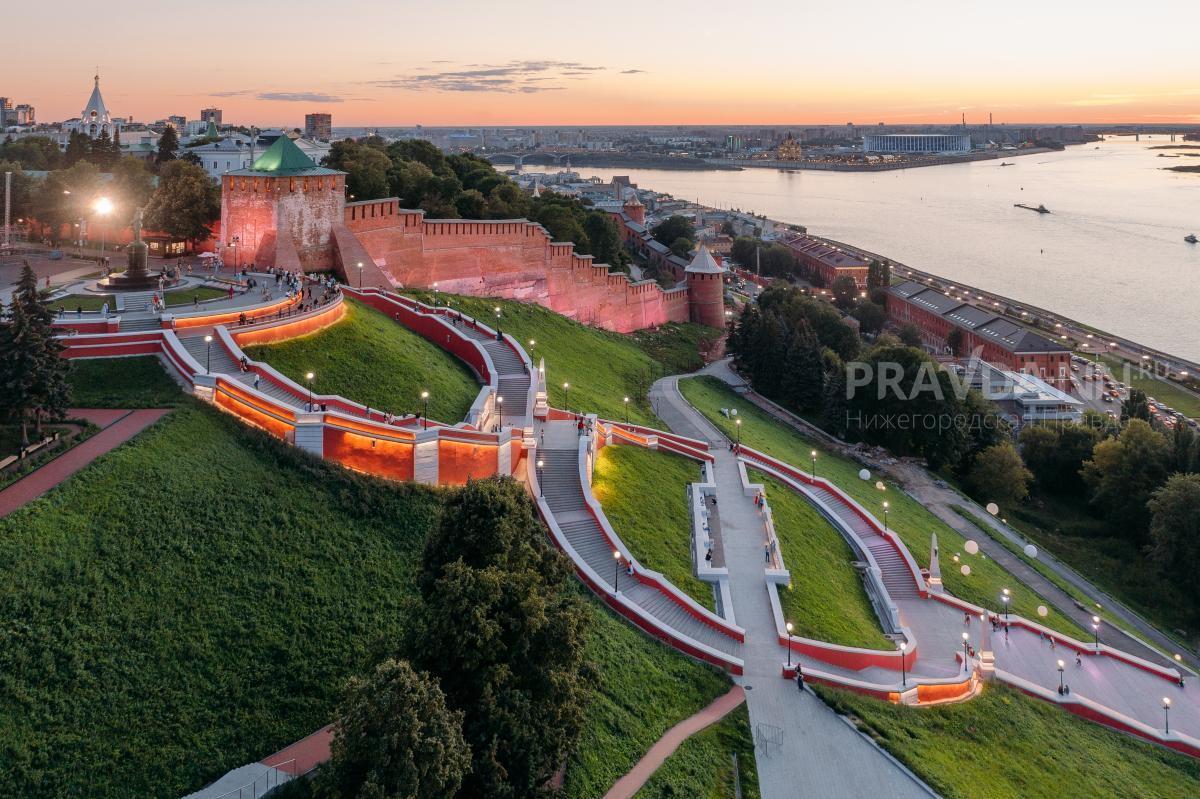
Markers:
point(531, 64)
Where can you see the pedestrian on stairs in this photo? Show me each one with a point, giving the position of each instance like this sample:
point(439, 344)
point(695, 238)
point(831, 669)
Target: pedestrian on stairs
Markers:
point(257, 379)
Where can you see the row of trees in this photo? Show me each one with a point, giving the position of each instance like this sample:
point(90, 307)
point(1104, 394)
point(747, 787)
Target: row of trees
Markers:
point(487, 696)
point(797, 350)
point(41, 153)
point(33, 382)
point(464, 186)
point(181, 201)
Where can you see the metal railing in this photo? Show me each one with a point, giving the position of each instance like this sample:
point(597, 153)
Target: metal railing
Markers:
point(251, 790)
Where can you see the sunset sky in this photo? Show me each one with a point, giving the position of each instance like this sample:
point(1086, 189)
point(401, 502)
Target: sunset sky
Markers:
point(549, 63)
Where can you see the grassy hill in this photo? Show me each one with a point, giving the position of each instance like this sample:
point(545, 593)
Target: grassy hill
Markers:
point(906, 517)
point(369, 358)
point(826, 599)
point(644, 495)
point(702, 766)
point(195, 600)
point(1005, 745)
point(602, 367)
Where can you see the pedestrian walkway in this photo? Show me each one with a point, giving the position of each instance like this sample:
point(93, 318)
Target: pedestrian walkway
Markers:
point(664, 747)
point(803, 747)
point(46, 477)
point(562, 488)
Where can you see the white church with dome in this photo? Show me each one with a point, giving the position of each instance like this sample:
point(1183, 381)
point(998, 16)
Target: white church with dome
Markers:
point(95, 120)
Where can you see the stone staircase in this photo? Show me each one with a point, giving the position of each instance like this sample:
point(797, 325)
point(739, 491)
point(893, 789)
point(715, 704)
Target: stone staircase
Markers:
point(137, 302)
point(896, 576)
point(563, 492)
point(512, 376)
point(138, 325)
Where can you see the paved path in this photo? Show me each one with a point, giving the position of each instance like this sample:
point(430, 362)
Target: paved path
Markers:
point(665, 746)
point(802, 747)
point(917, 482)
point(117, 432)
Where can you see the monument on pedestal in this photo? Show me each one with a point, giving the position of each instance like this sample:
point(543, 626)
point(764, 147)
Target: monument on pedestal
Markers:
point(136, 277)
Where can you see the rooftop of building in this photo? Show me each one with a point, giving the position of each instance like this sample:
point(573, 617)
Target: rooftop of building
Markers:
point(984, 323)
point(704, 263)
point(284, 159)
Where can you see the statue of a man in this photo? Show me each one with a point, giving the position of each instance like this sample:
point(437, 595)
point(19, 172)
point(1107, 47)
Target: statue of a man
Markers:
point(137, 225)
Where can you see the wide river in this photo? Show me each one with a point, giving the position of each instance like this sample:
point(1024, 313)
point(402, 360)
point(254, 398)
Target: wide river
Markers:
point(1111, 253)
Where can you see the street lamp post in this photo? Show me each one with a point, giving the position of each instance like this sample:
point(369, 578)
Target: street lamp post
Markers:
point(626, 401)
point(885, 515)
point(1096, 632)
point(616, 571)
point(1006, 597)
point(500, 407)
point(738, 425)
point(208, 365)
point(103, 207)
point(1062, 686)
point(499, 332)
point(903, 670)
point(814, 464)
point(309, 378)
point(541, 488)
point(425, 413)
point(1166, 714)
point(360, 268)
point(532, 344)
point(566, 396)
point(966, 638)
point(789, 646)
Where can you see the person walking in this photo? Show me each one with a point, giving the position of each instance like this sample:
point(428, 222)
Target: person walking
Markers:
point(104, 309)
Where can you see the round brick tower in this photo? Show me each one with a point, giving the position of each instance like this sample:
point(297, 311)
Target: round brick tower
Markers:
point(706, 290)
point(634, 208)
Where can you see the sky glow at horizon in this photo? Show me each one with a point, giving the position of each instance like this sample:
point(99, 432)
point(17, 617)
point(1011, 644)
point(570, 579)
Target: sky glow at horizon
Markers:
point(555, 63)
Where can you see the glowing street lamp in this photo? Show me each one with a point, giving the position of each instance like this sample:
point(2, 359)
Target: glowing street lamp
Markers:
point(789, 646)
point(1166, 714)
point(1062, 686)
point(814, 464)
point(532, 344)
point(626, 401)
point(208, 366)
point(1005, 598)
point(616, 571)
point(566, 396)
point(1096, 632)
point(308, 377)
point(425, 413)
point(903, 670)
point(500, 407)
point(499, 333)
point(966, 637)
point(885, 515)
point(103, 207)
point(738, 424)
point(360, 268)
point(541, 488)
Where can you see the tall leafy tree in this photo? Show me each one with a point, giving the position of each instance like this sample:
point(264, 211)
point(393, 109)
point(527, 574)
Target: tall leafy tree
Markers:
point(102, 151)
point(185, 203)
point(845, 292)
point(79, 148)
point(672, 228)
point(133, 185)
point(1122, 474)
point(997, 474)
point(32, 371)
point(168, 143)
point(1175, 531)
point(496, 599)
point(395, 737)
point(1137, 406)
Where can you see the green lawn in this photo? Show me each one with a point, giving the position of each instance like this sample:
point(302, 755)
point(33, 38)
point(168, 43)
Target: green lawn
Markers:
point(645, 689)
point(140, 382)
point(702, 767)
point(826, 599)
point(644, 494)
point(906, 517)
point(1164, 391)
point(1005, 745)
point(371, 359)
point(187, 296)
point(602, 367)
point(166, 615)
point(87, 302)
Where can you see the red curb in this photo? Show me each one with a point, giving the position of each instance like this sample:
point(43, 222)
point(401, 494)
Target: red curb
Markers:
point(308, 753)
point(38, 482)
point(665, 746)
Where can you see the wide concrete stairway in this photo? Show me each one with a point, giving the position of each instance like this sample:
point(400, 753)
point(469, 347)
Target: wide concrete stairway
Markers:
point(511, 374)
point(896, 576)
point(563, 492)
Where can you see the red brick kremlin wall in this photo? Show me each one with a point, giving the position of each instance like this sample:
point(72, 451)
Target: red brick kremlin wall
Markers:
point(511, 259)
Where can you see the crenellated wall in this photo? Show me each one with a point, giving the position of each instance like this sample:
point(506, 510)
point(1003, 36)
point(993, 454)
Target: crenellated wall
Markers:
point(514, 259)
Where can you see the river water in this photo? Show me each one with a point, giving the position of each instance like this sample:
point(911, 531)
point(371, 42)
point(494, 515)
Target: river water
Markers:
point(1111, 254)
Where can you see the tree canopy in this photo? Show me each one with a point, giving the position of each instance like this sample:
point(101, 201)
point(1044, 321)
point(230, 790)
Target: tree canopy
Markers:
point(185, 203)
point(33, 375)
